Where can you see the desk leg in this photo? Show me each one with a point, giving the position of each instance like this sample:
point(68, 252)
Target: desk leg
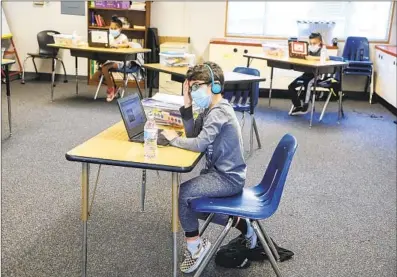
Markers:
point(271, 86)
point(314, 97)
point(175, 185)
point(125, 78)
point(151, 79)
point(84, 212)
point(77, 74)
point(143, 190)
point(54, 62)
point(8, 92)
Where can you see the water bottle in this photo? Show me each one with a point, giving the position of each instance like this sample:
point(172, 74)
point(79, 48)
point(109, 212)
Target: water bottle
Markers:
point(150, 136)
point(323, 54)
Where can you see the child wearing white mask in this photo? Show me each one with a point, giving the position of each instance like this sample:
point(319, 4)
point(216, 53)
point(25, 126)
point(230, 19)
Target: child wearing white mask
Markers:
point(116, 40)
point(216, 132)
point(306, 80)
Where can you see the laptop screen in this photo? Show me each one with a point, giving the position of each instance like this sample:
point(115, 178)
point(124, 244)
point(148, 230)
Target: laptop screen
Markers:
point(133, 114)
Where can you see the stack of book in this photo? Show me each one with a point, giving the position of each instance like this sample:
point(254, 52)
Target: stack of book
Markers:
point(165, 108)
point(138, 6)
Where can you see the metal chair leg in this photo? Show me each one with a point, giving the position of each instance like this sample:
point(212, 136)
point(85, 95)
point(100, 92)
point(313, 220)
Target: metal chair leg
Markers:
point(372, 87)
point(312, 110)
point(206, 223)
point(251, 136)
point(269, 242)
point(258, 140)
point(325, 106)
point(23, 69)
point(65, 78)
point(99, 86)
point(266, 248)
point(214, 248)
point(138, 86)
point(242, 122)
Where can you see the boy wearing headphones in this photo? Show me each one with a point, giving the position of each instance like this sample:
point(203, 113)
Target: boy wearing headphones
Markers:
point(216, 132)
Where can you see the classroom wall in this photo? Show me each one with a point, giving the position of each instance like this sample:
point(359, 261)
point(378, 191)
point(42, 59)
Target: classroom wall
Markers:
point(201, 21)
point(26, 20)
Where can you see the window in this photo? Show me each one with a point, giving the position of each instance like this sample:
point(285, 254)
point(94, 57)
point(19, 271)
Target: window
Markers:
point(279, 19)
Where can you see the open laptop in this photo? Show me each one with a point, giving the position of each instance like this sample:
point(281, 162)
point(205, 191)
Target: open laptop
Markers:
point(98, 38)
point(134, 118)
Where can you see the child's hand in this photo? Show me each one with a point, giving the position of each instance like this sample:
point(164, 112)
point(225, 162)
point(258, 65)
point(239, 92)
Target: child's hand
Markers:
point(170, 134)
point(186, 95)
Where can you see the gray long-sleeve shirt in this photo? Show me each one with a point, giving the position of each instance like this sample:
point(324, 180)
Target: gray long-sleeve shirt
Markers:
point(217, 132)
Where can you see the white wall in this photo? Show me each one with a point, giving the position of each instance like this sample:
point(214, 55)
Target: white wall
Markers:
point(26, 20)
point(201, 21)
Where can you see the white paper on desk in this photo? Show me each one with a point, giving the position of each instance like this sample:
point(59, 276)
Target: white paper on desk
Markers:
point(99, 36)
point(169, 98)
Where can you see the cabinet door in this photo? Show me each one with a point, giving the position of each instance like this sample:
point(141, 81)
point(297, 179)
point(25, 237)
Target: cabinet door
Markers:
point(378, 74)
point(389, 81)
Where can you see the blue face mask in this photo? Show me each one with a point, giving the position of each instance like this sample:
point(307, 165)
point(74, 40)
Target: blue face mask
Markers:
point(201, 97)
point(114, 33)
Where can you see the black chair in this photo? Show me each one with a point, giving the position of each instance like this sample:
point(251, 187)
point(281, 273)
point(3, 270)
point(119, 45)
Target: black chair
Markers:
point(45, 52)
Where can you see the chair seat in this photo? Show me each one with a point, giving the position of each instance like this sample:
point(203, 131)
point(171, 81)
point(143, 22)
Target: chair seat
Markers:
point(41, 56)
point(129, 70)
point(241, 108)
point(251, 203)
point(357, 73)
point(360, 63)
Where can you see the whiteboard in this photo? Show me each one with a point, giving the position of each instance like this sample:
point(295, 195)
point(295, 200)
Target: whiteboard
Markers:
point(5, 30)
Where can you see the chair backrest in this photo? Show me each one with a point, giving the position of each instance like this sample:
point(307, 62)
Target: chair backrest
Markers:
point(356, 49)
point(241, 96)
point(271, 187)
point(45, 37)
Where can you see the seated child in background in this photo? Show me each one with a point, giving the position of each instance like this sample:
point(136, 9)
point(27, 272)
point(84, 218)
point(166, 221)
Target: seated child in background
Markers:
point(216, 132)
point(315, 46)
point(116, 40)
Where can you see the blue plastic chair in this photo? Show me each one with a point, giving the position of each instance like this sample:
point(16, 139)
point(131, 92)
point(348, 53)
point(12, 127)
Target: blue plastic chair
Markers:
point(255, 203)
point(356, 53)
point(130, 71)
point(240, 99)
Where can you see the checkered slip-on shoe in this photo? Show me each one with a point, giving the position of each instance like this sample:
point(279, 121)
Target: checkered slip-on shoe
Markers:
point(192, 262)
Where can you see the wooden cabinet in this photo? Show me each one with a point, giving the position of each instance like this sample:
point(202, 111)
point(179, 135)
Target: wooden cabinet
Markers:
point(385, 76)
point(229, 56)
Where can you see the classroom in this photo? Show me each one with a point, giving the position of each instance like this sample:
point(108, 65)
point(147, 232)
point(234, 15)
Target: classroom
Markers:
point(198, 138)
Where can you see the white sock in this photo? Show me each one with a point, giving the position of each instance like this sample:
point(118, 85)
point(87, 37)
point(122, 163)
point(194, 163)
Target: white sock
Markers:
point(193, 245)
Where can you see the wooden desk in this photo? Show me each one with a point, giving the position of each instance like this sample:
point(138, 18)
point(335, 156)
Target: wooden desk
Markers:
point(112, 147)
point(231, 78)
point(98, 53)
point(5, 63)
point(302, 65)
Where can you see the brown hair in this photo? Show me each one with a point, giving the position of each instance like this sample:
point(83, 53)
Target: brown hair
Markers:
point(201, 72)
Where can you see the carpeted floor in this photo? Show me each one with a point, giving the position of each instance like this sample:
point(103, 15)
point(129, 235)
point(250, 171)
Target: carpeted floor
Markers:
point(338, 211)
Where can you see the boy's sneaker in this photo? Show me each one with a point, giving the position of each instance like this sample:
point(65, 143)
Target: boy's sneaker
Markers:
point(192, 261)
point(300, 110)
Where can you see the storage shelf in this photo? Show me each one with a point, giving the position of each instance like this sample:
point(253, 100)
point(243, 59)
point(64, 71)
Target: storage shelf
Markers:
point(115, 9)
point(125, 29)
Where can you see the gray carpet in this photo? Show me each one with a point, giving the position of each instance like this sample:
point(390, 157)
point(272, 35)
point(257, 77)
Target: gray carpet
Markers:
point(338, 211)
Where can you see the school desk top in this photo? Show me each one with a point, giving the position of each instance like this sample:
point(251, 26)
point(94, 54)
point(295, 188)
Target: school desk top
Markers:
point(112, 147)
point(101, 49)
point(7, 61)
point(295, 61)
point(230, 77)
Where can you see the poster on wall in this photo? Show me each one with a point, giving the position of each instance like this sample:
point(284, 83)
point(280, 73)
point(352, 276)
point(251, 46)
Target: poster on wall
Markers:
point(73, 7)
